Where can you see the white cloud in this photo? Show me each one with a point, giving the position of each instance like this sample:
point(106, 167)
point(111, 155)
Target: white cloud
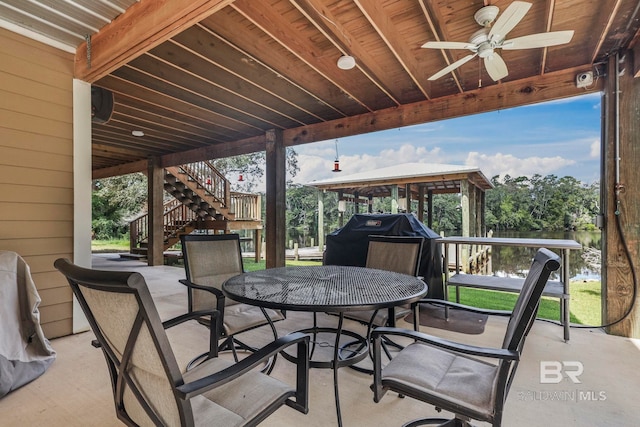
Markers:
point(502, 164)
point(317, 163)
point(595, 149)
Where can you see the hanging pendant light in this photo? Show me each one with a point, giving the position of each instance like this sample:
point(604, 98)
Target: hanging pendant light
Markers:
point(241, 178)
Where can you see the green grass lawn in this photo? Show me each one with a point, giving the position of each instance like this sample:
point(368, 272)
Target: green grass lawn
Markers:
point(119, 245)
point(584, 305)
point(251, 265)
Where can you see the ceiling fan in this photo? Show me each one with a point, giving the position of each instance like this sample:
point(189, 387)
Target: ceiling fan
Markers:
point(493, 36)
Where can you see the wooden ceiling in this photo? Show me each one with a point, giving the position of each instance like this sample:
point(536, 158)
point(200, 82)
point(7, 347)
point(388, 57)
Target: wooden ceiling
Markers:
point(207, 78)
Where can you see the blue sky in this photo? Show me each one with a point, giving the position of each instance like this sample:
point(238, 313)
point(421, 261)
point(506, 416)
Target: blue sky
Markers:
point(559, 137)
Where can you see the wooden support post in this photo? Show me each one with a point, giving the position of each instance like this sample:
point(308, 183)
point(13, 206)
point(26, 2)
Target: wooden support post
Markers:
point(320, 220)
point(340, 213)
point(430, 209)
point(620, 195)
point(473, 213)
point(421, 202)
point(464, 208)
point(407, 196)
point(483, 217)
point(370, 201)
point(356, 201)
point(155, 190)
point(275, 221)
point(394, 199)
point(257, 244)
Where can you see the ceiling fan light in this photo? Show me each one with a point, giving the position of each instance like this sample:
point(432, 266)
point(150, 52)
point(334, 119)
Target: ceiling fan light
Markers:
point(486, 15)
point(346, 62)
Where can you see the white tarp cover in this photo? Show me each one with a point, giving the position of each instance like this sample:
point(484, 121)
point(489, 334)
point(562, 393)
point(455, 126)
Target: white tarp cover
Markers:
point(25, 353)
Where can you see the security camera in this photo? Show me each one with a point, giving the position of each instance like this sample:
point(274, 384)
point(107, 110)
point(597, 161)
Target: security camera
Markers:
point(584, 79)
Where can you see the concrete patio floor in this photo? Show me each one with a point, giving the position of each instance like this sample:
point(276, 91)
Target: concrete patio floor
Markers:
point(76, 391)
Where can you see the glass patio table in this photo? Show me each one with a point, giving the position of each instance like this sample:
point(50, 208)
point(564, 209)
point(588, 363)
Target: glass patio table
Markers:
point(327, 288)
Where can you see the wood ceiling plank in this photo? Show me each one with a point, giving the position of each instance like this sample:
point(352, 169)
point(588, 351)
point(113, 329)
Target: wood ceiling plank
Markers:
point(304, 43)
point(438, 35)
point(370, 62)
point(198, 126)
point(262, 47)
point(231, 58)
point(119, 86)
point(232, 85)
point(193, 97)
point(143, 26)
point(168, 125)
point(381, 22)
point(191, 87)
point(155, 135)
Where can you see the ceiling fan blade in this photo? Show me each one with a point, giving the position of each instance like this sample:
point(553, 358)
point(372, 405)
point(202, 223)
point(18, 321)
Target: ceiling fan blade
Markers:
point(509, 19)
point(538, 40)
point(496, 68)
point(448, 45)
point(452, 67)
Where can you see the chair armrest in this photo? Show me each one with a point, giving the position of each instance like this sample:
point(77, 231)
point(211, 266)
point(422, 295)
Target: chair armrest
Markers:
point(202, 385)
point(496, 353)
point(217, 292)
point(464, 307)
point(195, 315)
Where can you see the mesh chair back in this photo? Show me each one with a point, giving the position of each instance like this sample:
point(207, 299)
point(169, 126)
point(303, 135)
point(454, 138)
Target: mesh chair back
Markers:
point(142, 366)
point(526, 308)
point(209, 260)
point(399, 254)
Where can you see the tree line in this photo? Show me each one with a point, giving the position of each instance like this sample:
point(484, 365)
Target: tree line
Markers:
point(520, 203)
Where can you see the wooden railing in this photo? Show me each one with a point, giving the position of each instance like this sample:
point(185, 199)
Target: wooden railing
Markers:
point(214, 183)
point(179, 218)
point(246, 206)
point(175, 217)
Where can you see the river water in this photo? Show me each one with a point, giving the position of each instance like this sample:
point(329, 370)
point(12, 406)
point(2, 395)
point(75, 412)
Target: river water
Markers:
point(515, 261)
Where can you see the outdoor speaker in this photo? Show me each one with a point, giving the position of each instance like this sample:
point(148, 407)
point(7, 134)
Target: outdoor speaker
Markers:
point(101, 104)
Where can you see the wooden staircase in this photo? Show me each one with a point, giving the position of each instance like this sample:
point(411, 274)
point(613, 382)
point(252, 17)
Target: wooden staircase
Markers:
point(202, 200)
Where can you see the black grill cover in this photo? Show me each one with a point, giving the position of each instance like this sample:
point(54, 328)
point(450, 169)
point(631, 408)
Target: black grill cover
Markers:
point(348, 245)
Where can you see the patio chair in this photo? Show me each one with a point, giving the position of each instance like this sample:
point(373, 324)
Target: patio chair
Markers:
point(209, 260)
point(449, 375)
point(400, 254)
point(148, 387)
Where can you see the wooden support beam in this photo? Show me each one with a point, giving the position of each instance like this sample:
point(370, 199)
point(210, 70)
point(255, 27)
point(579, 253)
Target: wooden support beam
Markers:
point(218, 151)
point(275, 220)
point(127, 168)
point(142, 27)
point(547, 87)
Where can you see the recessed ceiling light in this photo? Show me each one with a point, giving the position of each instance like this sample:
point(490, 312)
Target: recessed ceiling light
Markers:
point(346, 62)
point(137, 133)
